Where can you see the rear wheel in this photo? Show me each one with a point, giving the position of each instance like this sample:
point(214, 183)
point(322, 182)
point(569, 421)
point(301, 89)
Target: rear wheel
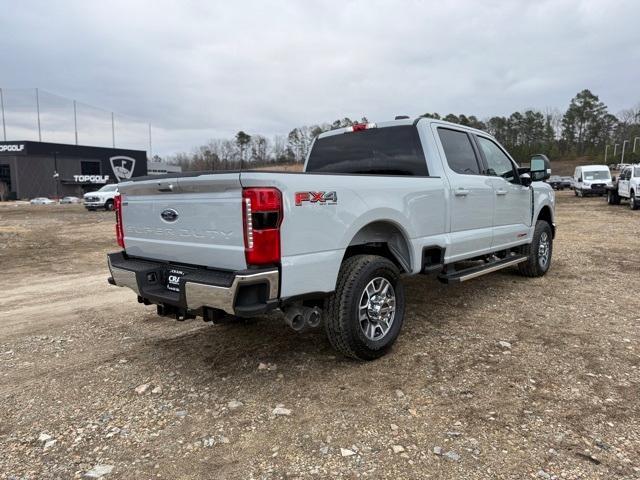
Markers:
point(539, 251)
point(363, 317)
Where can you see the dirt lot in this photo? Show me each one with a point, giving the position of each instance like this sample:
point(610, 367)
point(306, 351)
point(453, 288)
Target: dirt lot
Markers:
point(561, 398)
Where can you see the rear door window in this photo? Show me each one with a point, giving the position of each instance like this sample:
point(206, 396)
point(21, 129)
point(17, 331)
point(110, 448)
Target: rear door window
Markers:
point(375, 151)
point(459, 152)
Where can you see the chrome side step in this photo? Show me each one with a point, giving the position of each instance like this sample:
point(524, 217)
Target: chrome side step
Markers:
point(473, 272)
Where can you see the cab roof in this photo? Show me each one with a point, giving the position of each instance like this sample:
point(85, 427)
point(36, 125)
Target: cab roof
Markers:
point(397, 123)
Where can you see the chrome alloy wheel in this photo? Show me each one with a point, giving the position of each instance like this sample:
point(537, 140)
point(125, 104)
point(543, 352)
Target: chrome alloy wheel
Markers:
point(377, 308)
point(544, 249)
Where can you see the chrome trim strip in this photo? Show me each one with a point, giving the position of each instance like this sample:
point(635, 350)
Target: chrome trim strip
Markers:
point(469, 276)
point(124, 278)
point(201, 295)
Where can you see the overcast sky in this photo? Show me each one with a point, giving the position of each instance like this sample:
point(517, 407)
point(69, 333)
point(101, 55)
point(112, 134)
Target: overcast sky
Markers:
point(199, 70)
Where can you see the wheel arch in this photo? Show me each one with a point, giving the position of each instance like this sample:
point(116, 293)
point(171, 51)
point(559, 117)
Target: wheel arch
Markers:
point(384, 238)
point(546, 214)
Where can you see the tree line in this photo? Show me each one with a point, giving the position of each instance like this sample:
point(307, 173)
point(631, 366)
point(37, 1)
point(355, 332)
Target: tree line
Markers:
point(584, 129)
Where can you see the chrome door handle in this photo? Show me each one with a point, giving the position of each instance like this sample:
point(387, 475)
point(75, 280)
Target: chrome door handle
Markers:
point(501, 192)
point(461, 192)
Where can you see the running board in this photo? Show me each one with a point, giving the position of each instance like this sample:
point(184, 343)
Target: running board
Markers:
point(473, 272)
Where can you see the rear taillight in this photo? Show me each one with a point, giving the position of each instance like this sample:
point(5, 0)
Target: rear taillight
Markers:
point(117, 206)
point(262, 215)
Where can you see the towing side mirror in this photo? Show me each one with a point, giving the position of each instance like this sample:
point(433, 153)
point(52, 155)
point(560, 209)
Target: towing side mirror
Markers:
point(525, 180)
point(540, 168)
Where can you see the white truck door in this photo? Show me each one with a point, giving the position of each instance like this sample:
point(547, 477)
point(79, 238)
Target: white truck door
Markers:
point(471, 196)
point(623, 183)
point(512, 212)
point(634, 181)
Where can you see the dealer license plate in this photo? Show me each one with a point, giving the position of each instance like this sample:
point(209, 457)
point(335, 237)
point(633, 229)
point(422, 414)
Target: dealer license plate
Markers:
point(173, 279)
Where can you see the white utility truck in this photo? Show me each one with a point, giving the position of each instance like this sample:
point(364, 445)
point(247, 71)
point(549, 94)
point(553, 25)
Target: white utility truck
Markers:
point(626, 187)
point(332, 244)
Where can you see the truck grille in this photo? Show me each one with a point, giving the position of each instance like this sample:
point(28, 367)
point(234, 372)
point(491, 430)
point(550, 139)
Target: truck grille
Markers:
point(91, 199)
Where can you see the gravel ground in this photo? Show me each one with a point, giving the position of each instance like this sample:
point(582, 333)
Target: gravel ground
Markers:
point(500, 377)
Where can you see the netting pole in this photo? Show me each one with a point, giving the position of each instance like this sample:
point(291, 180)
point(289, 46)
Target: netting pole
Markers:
point(113, 131)
point(4, 126)
point(75, 120)
point(38, 112)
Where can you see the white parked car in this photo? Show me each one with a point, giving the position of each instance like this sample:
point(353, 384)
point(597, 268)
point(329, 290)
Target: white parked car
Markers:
point(333, 244)
point(41, 201)
point(65, 200)
point(101, 199)
point(591, 180)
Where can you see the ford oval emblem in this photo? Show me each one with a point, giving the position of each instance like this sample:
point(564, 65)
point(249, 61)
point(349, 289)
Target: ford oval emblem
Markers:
point(169, 215)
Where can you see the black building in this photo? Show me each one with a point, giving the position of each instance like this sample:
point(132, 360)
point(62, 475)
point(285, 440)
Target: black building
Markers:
point(38, 169)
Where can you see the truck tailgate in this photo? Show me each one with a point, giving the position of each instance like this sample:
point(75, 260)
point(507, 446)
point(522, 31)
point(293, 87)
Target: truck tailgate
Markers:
point(189, 220)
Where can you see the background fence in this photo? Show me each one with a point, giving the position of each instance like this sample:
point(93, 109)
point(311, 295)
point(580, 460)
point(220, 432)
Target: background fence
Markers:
point(38, 115)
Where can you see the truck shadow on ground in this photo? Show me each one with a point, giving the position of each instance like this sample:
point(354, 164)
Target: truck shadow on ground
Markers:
point(224, 349)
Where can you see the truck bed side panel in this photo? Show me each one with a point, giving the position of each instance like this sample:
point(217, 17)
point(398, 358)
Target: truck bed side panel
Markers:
point(414, 205)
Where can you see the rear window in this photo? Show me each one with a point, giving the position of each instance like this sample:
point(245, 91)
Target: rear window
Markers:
point(381, 151)
point(460, 154)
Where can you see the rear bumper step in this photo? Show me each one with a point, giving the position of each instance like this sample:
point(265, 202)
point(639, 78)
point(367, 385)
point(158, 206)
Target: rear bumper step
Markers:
point(247, 292)
point(473, 272)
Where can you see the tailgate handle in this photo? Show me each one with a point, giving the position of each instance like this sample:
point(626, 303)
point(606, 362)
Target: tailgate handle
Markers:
point(167, 188)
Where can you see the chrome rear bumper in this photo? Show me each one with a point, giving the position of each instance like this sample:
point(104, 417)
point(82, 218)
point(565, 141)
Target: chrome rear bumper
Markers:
point(235, 293)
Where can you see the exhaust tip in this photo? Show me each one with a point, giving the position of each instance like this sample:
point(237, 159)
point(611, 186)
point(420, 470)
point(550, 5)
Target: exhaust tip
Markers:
point(297, 322)
point(314, 318)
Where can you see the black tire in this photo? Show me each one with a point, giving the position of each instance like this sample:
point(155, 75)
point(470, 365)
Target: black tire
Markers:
point(108, 205)
point(575, 192)
point(613, 198)
point(633, 202)
point(534, 267)
point(342, 323)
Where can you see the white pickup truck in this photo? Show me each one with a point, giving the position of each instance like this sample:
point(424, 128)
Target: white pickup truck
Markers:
point(331, 245)
point(101, 199)
point(627, 187)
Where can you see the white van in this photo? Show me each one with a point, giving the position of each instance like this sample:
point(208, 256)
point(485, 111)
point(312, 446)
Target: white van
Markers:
point(591, 180)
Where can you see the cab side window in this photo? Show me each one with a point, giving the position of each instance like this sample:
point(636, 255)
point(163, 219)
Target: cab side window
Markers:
point(460, 154)
point(498, 164)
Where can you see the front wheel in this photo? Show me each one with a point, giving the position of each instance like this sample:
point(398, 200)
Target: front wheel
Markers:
point(538, 251)
point(108, 206)
point(364, 315)
point(613, 198)
point(633, 203)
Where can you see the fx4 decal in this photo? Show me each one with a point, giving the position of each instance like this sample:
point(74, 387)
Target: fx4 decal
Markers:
point(323, 198)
